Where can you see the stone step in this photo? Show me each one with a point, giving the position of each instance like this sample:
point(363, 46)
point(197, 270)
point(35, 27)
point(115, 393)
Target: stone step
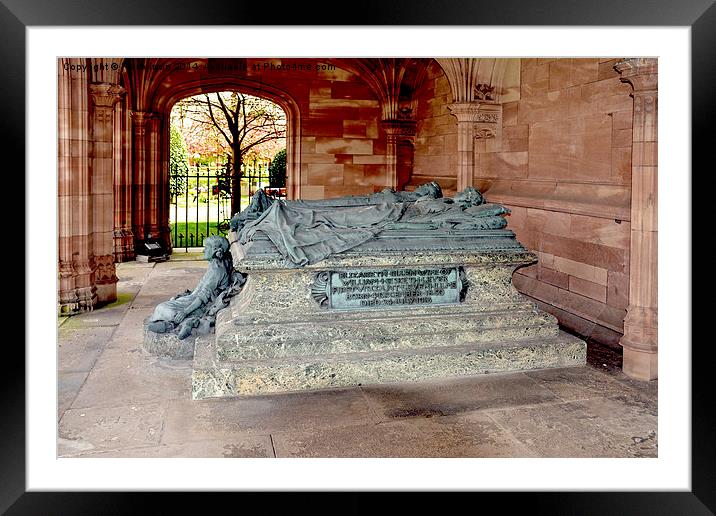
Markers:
point(327, 335)
point(213, 378)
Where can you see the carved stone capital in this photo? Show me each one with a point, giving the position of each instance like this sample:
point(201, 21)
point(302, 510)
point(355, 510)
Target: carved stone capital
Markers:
point(399, 129)
point(641, 73)
point(140, 120)
point(476, 112)
point(105, 94)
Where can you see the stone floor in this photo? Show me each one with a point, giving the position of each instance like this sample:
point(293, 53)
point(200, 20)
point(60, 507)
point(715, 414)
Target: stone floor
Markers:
point(115, 400)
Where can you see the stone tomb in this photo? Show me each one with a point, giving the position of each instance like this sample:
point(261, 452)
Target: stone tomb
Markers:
point(405, 305)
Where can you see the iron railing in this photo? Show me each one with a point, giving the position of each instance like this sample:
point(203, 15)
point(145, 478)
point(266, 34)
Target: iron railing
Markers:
point(201, 199)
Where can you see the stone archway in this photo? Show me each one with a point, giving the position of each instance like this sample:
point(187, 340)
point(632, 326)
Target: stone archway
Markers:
point(163, 104)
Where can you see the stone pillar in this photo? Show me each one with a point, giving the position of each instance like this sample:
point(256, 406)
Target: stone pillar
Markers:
point(155, 182)
point(640, 325)
point(139, 176)
point(77, 290)
point(474, 119)
point(123, 234)
point(148, 184)
point(68, 300)
point(104, 97)
point(396, 132)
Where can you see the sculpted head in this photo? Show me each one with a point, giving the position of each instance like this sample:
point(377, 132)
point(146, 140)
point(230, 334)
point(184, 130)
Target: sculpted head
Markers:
point(469, 197)
point(215, 247)
point(431, 189)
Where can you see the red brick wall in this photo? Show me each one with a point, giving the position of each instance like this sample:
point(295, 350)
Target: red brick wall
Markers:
point(564, 168)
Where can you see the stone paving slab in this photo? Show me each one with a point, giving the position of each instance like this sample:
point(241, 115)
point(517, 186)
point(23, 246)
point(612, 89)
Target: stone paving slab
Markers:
point(130, 333)
point(109, 429)
point(445, 397)
point(124, 377)
point(576, 383)
point(474, 435)
point(235, 447)
point(599, 427)
point(222, 418)
point(68, 385)
point(111, 316)
point(79, 348)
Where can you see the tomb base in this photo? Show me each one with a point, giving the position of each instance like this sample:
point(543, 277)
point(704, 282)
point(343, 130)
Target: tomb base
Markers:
point(168, 345)
point(397, 308)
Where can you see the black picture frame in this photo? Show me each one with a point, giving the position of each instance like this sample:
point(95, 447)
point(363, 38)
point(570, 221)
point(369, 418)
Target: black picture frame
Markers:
point(700, 15)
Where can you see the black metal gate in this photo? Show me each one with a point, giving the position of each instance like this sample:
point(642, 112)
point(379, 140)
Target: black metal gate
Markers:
point(201, 199)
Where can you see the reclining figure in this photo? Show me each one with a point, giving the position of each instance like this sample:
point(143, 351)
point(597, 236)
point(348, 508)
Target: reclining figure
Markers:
point(198, 308)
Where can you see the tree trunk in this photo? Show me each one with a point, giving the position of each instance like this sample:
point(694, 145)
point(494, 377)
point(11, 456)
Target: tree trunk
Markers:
point(236, 181)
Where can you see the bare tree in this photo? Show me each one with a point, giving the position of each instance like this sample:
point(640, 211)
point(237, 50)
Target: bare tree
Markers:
point(243, 122)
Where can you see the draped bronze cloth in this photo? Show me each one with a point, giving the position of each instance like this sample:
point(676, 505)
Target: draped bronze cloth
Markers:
point(305, 234)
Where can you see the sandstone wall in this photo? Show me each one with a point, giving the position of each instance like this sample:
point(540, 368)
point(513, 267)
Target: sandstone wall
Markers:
point(563, 166)
point(436, 136)
point(343, 149)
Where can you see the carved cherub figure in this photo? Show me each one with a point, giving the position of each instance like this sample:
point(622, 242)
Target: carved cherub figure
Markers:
point(187, 310)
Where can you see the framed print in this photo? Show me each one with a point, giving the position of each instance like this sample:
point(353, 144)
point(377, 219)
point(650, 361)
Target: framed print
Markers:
point(554, 121)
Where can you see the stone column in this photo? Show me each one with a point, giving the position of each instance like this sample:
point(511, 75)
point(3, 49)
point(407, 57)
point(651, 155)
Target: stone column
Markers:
point(640, 325)
point(104, 97)
point(155, 182)
point(474, 119)
point(396, 131)
point(68, 300)
point(139, 176)
point(123, 234)
point(77, 290)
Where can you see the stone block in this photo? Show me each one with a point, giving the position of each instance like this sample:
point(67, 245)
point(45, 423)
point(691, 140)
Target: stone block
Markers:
point(504, 164)
point(559, 74)
point(354, 175)
point(554, 222)
point(600, 256)
point(370, 160)
point(622, 137)
point(325, 174)
point(617, 289)
point(583, 70)
point(601, 231)
point(606, 69)
point(509, 114)
point(168, 345)
point(581, 270)
point(623, 119)
point(313, 192)
point(351, 90)
point(344, 145)
point(621, 165)
point(317, 157)
point(588, 289)
point(556, 278)
point(354, 129)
